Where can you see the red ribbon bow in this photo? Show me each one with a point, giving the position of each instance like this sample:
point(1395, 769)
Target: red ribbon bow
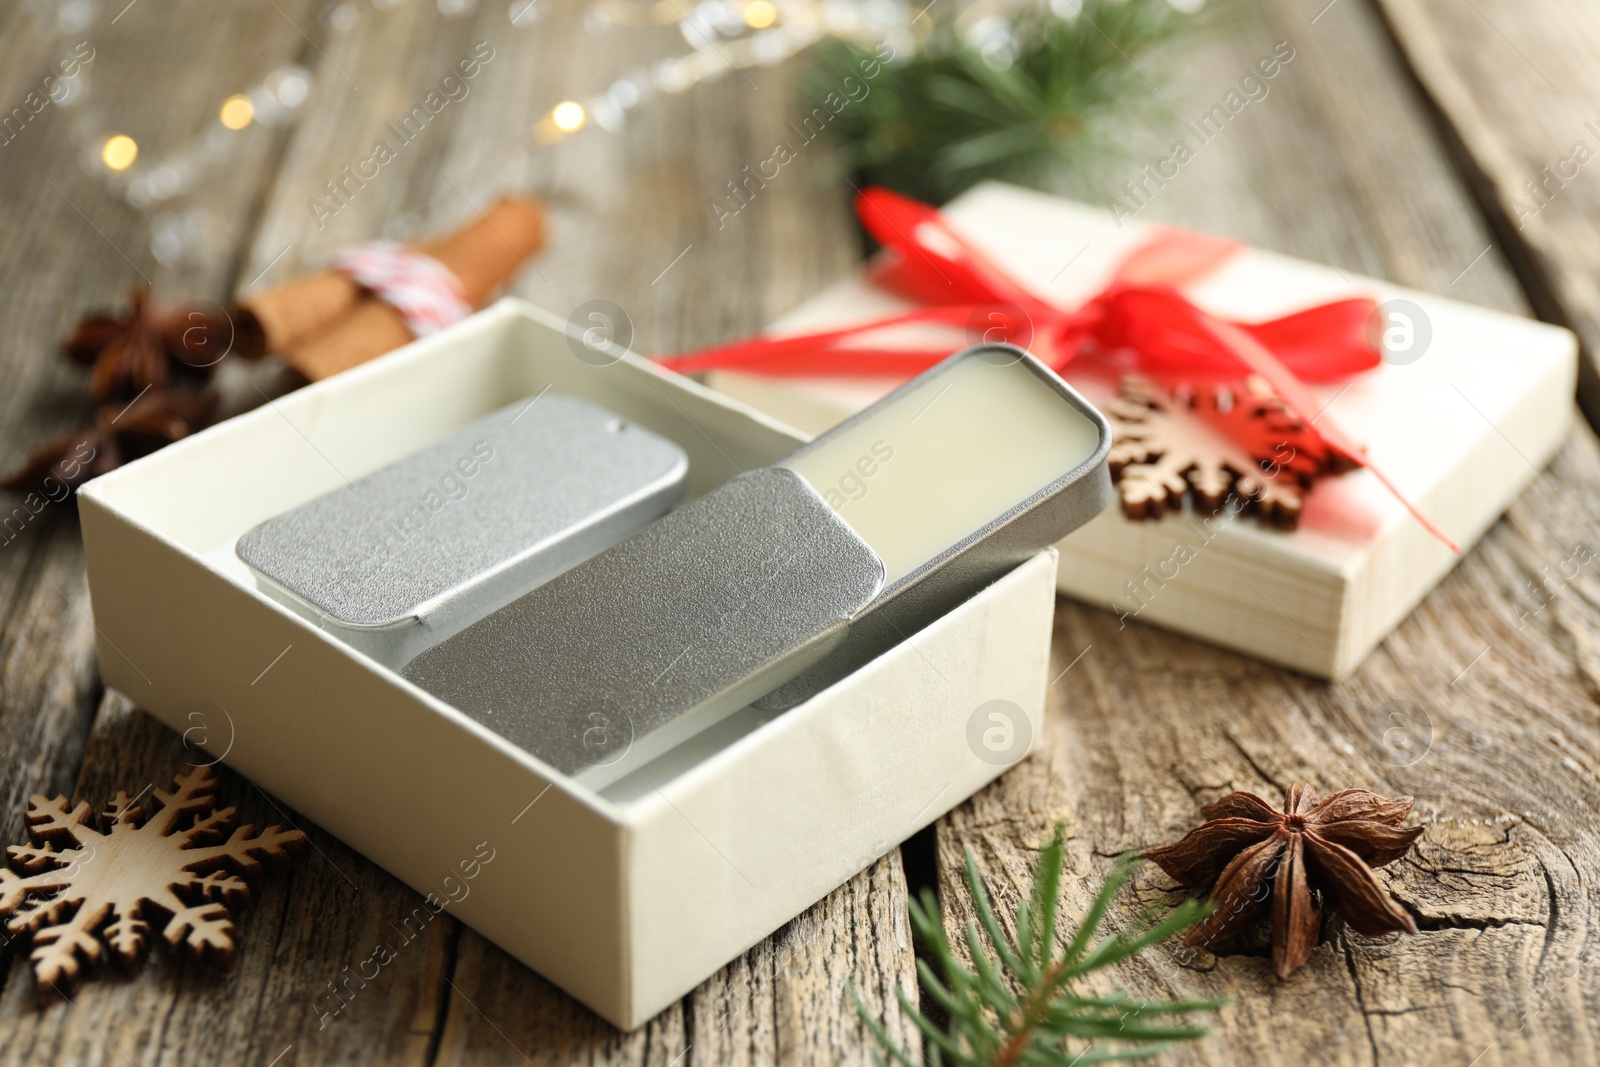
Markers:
point(1140, 317)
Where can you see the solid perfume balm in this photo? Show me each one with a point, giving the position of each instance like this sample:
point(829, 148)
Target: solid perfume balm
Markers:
point(785, 578)
point(953, 479)
point(970, 443)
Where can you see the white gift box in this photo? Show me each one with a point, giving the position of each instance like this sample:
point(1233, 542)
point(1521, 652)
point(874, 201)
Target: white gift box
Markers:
point(629, 898)
point(1461, 421)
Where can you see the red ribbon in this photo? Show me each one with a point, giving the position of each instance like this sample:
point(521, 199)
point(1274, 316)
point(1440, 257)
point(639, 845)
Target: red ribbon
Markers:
point(1140, 319)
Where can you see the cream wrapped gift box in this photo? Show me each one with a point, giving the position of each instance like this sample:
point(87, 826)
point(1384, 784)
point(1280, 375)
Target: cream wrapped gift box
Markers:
point(1461, 416)
point(627, 897)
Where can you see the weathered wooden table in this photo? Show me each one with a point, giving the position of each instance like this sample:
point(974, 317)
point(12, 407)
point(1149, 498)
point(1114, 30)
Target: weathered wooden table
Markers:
point(1397, 143)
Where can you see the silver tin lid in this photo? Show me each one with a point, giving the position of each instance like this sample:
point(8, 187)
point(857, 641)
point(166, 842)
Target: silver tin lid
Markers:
point(414, 552)
point(618, 660)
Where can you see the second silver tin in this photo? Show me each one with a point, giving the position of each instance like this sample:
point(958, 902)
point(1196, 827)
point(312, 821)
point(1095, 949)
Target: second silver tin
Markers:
point(614, 662)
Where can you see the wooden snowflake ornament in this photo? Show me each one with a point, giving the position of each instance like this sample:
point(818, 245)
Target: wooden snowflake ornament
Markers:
point(78, 902)
point(1165, 450)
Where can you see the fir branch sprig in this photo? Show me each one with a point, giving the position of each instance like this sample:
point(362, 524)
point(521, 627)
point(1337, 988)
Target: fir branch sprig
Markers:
point(1016, 1003)
point(962, 109)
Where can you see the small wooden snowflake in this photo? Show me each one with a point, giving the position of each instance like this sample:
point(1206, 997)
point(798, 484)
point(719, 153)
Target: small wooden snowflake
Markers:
point(79, 902)
point(1209, 444)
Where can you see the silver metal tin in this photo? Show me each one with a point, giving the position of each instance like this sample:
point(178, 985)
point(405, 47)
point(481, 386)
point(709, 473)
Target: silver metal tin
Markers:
point(418, 550)
point(964, 569)
point(620, 659)
point(758, 592)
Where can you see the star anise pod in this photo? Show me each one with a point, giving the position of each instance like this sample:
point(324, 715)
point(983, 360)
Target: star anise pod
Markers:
point(119, 433)
point(147, 348)
point(1249, 856)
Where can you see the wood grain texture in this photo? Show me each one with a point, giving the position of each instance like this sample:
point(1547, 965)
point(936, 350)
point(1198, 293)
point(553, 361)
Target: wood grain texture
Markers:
point(1514, 86)
point(1341, 161)
point(299, 940)
point(1147, 727)
point(73, 245)
point(1497, 700)
point(70, 245)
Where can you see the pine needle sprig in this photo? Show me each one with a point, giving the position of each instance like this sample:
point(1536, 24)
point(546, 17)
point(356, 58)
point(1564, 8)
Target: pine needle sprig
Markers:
point(1016, 1003)
point(959, 111)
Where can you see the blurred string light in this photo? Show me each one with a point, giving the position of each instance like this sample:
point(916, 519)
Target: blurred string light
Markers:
point(272, 102)
point(759, 14)
point(237, 112)
point(722, 35)
point(567, 116)
point(119, 151)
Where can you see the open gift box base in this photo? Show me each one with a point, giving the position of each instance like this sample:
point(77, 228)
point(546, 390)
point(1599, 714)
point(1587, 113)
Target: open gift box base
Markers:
point(629, 898)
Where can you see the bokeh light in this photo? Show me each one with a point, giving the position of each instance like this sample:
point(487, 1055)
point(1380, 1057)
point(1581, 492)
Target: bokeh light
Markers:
point(237, 112)
point(119, 151)
point(568, 116)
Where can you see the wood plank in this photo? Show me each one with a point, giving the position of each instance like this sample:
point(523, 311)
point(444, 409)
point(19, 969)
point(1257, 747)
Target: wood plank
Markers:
point(84, 247)
point(62, 241)
point(625, 207)
point(49, 682)
point(1512, 83)
point(70, 245)
point(1337, 164)
point(1339, 161)
point(1148, 726)
point(67, 245)
point(300, 985)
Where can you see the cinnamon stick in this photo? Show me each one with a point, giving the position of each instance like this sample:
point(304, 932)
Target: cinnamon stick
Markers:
point(366, 330)
point(325, 323)
point(488, 251)
point(299, 308)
